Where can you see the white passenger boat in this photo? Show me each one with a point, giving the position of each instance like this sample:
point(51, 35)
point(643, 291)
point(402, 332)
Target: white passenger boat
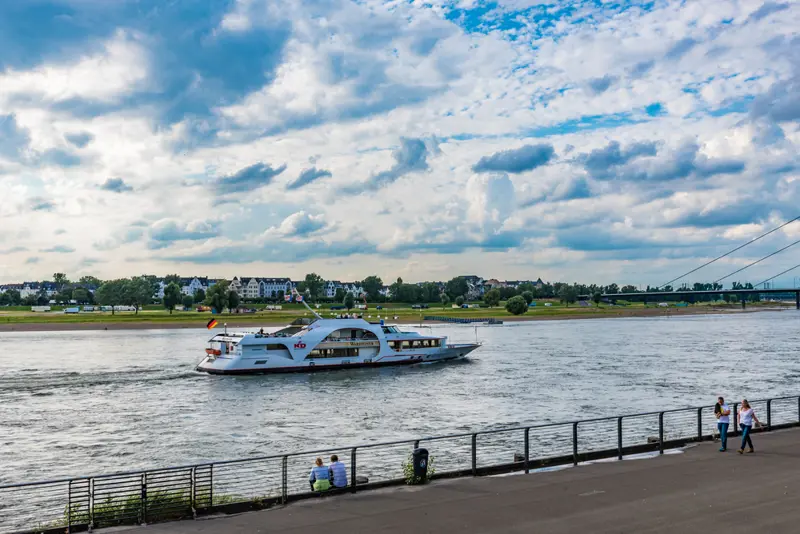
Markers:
point(325, 344)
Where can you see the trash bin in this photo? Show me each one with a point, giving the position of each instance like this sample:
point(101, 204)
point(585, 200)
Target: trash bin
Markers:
point(420, 457)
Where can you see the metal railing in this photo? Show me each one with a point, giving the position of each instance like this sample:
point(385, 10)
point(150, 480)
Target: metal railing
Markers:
point(140, 497)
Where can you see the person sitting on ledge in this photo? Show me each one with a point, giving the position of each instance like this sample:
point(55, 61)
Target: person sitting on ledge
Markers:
point(338, 472)
point(319, 477)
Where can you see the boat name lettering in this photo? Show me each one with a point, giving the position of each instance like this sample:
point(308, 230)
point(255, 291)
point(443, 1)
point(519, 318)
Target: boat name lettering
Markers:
point(300, 345)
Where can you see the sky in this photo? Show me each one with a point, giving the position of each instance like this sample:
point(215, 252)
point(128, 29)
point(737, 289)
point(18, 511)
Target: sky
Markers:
point(572, 140)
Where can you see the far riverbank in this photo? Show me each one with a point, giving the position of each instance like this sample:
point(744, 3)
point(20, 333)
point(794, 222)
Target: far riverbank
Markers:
point(132, 323)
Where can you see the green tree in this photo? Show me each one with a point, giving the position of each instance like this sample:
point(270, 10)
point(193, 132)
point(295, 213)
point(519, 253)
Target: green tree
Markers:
point(172, 295)
point(349, 301)
point(372, 286)
point(516, 305)
point(5, 299)
point(314, 284)
point(90, 282)
point(137, 292)
point(14, 297)
point(64, 296)
point(445, 300)
point(459, 301)
point(60, 279)
point(110, 293)
point(528, 296)
point(81, 295)
point(526, 286)
point(596, 297)
point(567, 295)
point(457, 287)
point(280, 296)
point(172, 279)
point(217, 296)
point(187, 302)
point(340, 294)
point(199, 296)
point(233, 300)
point(492, 298)
point(153, 281)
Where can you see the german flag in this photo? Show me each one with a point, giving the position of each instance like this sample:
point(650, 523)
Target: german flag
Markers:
point(211, 324)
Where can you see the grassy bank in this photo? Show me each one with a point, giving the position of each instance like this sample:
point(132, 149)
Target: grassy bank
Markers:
point(154, 317)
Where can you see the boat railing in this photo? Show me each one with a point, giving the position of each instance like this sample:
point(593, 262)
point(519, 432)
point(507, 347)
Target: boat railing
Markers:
point(147, 496)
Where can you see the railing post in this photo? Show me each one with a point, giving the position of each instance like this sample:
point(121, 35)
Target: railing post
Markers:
point(144, 498)
point(527, 449)
point(661, 433)
point(769, 414)
point(416, 444)
point(353, 471)
point(619, 438)
point(575, 443)
point(734, 421)
point(91, 504)
point(474, 455)
point(211, 485)
point(284, 479)
point(193, 497)
point(69, 507)
point(700, 424)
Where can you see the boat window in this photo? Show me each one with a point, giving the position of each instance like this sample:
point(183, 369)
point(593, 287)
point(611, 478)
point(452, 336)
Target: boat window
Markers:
point(276, 346)
point(350, 334)
point(406, 344)
point(333, 353)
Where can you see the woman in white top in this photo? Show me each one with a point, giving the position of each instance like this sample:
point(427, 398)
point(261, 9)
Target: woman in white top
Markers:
point(746, 418)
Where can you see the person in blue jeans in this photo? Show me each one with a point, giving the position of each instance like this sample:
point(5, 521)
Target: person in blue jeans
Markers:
point(746, 418)
point(723, 413)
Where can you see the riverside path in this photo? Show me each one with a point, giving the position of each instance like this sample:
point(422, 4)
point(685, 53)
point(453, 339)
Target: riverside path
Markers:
point(698, 490)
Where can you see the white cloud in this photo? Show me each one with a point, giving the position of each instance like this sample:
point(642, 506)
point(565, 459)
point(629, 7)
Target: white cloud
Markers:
point(352, 82)
point(105, 76)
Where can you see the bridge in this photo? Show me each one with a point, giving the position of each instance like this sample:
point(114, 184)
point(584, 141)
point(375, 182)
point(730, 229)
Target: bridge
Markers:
point(687, 295)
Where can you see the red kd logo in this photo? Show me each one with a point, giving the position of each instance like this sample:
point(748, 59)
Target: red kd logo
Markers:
point(300, 345)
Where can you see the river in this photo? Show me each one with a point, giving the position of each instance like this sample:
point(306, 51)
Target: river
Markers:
point(88, 402)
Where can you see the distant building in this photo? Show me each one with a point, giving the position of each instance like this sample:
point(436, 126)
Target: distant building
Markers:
point(189, 286)
point(270, 287)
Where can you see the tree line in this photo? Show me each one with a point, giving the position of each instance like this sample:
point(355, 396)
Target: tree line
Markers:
point(139, 291)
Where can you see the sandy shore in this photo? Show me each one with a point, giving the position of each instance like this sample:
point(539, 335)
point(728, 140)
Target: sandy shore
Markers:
point(588, 313)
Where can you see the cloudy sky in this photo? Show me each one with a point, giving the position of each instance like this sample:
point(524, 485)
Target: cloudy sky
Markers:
point(575, 140)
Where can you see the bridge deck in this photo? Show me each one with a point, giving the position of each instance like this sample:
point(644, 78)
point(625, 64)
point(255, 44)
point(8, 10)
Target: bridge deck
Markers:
point(701, 490)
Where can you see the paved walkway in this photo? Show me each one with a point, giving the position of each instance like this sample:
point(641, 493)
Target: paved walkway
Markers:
point(701, 490)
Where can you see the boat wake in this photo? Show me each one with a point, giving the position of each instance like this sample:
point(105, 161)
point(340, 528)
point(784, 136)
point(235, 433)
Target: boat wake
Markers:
point(44, 382)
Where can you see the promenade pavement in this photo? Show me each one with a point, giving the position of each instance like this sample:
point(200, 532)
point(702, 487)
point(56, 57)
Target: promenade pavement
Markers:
point(699, 490)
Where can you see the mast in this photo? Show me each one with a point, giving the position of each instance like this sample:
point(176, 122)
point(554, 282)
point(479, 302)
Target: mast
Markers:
point(294, 291)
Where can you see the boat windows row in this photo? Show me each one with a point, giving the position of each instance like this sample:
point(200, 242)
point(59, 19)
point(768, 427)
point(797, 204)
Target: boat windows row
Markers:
point(415, 344)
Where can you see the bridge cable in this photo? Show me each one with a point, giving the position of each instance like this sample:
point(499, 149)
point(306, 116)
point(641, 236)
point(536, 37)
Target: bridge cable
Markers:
point(729, 253)
point(777, 275)
point(757, 261)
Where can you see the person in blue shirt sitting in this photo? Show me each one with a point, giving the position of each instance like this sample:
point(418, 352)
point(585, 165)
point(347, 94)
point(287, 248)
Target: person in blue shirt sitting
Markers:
point(338, 472)
point(319, 477)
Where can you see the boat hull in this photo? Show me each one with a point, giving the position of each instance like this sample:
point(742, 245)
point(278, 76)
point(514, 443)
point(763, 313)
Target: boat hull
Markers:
point(225, 366)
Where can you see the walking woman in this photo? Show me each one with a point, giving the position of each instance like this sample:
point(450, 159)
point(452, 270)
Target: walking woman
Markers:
point(746, 418)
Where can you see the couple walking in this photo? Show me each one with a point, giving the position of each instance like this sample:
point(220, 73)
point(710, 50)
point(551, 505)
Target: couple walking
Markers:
point(746, 418)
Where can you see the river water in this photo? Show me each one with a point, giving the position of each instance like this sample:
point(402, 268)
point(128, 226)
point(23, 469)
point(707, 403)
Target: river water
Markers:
point(89, 402)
